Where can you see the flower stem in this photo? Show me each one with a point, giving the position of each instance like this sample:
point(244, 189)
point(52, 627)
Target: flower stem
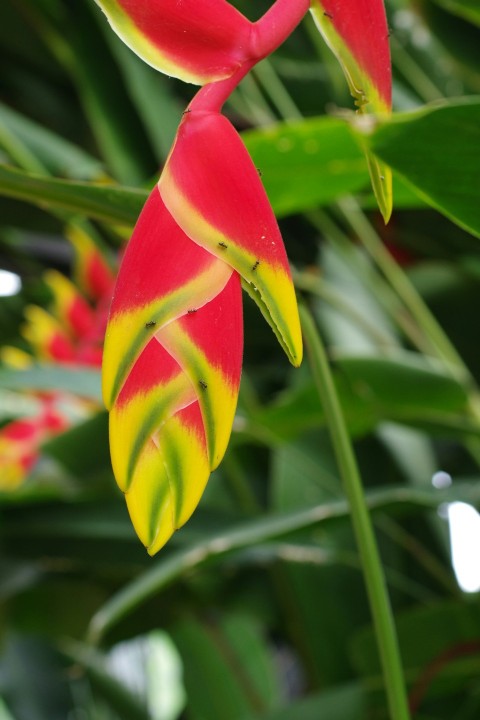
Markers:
point(270, 31)
point(367, 546)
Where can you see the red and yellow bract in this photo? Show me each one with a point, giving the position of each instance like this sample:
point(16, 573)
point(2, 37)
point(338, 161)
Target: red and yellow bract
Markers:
point(173, 348)
point(171, 373)
point(219, 201)
point(198, 41)
point(71, 333)
point(357, 33)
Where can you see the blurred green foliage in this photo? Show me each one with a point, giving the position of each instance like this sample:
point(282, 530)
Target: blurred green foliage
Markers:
point(261, 593)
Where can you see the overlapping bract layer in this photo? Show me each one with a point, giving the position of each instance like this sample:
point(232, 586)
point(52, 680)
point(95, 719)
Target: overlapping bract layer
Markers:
point(173, 348)
point(69, 332)
point(196, 41)
point(357, 33)
point(172, 365)
point(20, 441)
point(212, 188)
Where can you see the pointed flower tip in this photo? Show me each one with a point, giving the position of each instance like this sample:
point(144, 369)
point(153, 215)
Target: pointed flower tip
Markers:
point(357, 33)
point(198, 42)
point(219, 202)
point(171, 372)
point(162, 496)
point(381, 179)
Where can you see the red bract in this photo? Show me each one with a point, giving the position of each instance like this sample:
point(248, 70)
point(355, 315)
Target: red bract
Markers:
point(197, 41)
point(171, 372)
point(357, 33)
point(71, 333)
point(20, 441)
point(219, 201)
point(173, 346)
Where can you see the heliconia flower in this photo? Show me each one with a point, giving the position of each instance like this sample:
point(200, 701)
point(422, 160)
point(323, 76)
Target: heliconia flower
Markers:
point(91, 272)
point(357, 33)
point(48, 338)
point(20, 443)
point(212, 189)
point(15, 358)
point(69, 307)
point(198, 42)
point(171, 371)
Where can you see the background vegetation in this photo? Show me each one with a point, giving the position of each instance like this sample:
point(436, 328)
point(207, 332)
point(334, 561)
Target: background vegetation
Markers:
point(257, 608)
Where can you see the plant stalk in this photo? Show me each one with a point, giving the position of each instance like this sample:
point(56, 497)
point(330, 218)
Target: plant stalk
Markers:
point(369, 556)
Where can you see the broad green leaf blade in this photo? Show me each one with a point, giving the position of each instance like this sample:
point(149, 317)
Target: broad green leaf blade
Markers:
point(345, 702)
point(110, 203)
point(371, 389)
point(357, 33)
point(232, 648)
point(306, 164)
point(434, 150)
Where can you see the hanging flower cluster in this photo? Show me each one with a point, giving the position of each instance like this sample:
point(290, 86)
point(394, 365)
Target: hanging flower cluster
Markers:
point(71, 332)
point(173, 347)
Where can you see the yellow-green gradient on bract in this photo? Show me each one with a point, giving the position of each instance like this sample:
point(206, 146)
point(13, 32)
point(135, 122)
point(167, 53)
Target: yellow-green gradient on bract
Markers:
point(198, 42)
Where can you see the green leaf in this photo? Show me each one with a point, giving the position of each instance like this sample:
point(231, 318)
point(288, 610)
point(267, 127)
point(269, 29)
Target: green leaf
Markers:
point(127, 706)
point(110, 203)
point(81, 381)
point(467, 9)
point(308, 163)
point(433, 149)
point(404, 388)
point(234, 650)
point(169, 569)
point(83, 449)
point(57, 155)
point(425, 634)
point(344, 702)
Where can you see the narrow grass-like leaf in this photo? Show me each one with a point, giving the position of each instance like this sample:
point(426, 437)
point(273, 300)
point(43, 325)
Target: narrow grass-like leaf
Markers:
point(174, 566)
point(110, 203)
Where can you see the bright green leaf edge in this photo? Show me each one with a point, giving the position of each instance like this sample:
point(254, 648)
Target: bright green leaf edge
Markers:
point(434, 151)
point(109, 203)
point(303, 165)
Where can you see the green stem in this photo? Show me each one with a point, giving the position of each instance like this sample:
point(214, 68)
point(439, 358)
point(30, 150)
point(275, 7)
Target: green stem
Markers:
point(254, 532)
point(379, 286)
point(414, 73)
point(417, 308)
point(275, 89)
point(367, 546)
point(317, 285)
point(401, 284)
